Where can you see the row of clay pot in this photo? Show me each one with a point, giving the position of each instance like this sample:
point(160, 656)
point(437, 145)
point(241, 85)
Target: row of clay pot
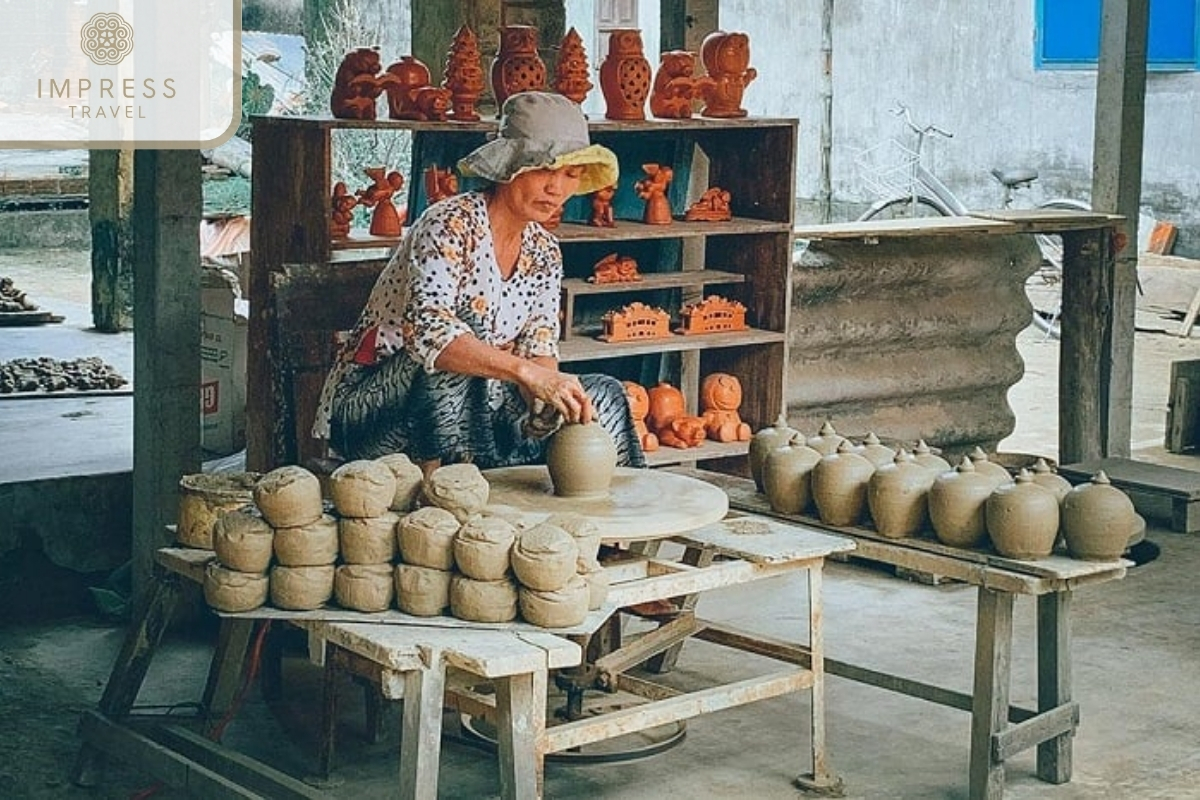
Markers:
point(904, 493)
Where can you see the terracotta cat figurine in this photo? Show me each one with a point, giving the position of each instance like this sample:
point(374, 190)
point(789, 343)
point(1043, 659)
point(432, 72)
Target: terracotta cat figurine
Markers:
point(674, 86)
point(726, 58)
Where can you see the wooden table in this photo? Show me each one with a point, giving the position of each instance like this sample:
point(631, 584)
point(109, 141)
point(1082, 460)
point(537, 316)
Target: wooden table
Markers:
point(998, 730)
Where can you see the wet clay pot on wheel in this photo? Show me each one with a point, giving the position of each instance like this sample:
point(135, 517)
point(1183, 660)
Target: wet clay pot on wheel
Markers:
point(956, 505)
point(787, 476)
point(763, 442)
point(1022, 519)
point(897, 496)
point(839, 485)
point(581, 460)
point(1098, 520)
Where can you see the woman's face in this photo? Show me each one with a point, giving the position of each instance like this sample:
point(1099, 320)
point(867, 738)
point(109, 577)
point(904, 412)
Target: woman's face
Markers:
point(538, 194)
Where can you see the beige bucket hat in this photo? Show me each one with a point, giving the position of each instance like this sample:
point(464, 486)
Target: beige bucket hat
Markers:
point(540, 130)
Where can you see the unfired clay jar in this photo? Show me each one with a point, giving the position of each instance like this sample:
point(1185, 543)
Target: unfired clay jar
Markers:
point(839, 485)
point(897, 496)
point(561, 608)
point(289, 496)
point(876, 452)
point(581, 460)
point(203, 496)
point(544, 557)
point(364, 587)
point(368, 540)
point(827, 439)
point(421, 591)
point(585, 533)
point(362, 488)
point(1098, 520)
point(1022, 518)
point(925, 456)
point(409, 479)
point(764, 441)
point(461, 489)
point(1043, 475)
point(301, 588)
point(787, 476)
point(308, 545)
point(243, 541)
point(232, 591)
point(625, 76)
point(956, 505)
point(426, 537)
point(989, 468)
point(483, 547)
point(483, 601)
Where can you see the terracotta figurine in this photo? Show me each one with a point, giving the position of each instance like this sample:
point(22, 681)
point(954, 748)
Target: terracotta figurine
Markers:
point(602, 210)
point(653, 189)
point(409, 74)
point(517, 66)
point(713, 206)
point(439, 183)
point(726, 58)
point(721, 396)
point(625, 76)
point(615, 269)
point(639, 407)
point(669, 420)
point(358, 84)
point(342, 213)
point(385, 219)
point(571, 68)
point(674, 85)
point(463, 75)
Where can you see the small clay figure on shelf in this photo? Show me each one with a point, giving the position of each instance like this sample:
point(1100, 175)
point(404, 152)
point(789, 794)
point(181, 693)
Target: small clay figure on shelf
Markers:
point(517, 66)
point(653, 189)
point(571, 68)
point(411, 95)
point(625, 76)
point(639, 407)
point(358, 84)
point(669, 420)
point(385, 219)
point(726, 58)
point(635, 321)
point(713, 206)
point(720, 398)
point(614, 268)
point(342, 211)
point(713, 314)
point(463, 75)
point(602, 210)
point(439, 183)
point(674, 85)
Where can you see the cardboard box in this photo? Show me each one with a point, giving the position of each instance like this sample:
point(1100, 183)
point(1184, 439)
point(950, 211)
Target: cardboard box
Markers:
point(224, 316)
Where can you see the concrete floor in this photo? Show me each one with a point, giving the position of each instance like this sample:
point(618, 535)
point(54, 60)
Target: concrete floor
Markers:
point(1136, 668)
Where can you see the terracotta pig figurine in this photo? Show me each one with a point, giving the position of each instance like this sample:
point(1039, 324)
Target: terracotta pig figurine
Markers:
point(669, 420)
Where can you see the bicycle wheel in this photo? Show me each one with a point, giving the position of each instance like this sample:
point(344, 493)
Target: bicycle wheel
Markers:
point(904, 208)
point(1044, 287)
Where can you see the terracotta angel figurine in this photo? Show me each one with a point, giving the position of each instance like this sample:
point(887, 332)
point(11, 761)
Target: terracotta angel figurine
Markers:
point(653, 189)
point(385, 219)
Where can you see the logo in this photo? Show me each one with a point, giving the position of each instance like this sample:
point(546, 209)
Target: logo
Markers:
point(106, 39)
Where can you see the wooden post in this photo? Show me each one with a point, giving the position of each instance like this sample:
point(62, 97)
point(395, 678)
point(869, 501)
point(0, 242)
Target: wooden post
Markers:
point(110, 200)
point(683, 24)
point(1116, 188)
point(166, 348)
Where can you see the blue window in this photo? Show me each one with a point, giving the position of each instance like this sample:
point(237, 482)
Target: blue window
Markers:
point(1068, 34)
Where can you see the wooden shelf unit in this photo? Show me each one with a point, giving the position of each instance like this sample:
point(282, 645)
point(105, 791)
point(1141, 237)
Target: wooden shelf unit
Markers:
point(306, 289)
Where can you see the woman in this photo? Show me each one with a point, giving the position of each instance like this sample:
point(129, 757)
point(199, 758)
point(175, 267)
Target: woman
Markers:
point(455, 357)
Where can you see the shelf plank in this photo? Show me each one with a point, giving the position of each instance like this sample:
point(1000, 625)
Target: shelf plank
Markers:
point(363, 241)
point(654, 280)
point(487, 126)
point(627, 229)
point(586, 348)
point(665, 456)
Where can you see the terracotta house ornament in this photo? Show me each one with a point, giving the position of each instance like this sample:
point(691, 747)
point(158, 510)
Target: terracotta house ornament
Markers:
point(614, 268)
point(358, 84)
point(635, 321)
point(713, 314)
point(726, 58)
point(625, 76)
point(674, 85)
point(720, 398)
point(439, 183)
point(463, 75)
point(385, 219)
point(639, 407)
point(653, 189)
point(571, 69)
point(713, 206)
point(342, 205)
point(602, 210)
point(517, 66)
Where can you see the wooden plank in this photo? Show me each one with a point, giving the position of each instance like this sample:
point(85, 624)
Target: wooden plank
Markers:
point(1046, 725)
point(653, 280)
point(421, 733)
point(900, 228)
point(764, 541)
point(520, 731)
point(706, 450)
point(1183, 407)
point(989, 705)
point(1054, 681)
point(678, 229)
point(1050, 220)
point(586, 348)
point(1137, 475)
point(323, 122)
point(1189, 318)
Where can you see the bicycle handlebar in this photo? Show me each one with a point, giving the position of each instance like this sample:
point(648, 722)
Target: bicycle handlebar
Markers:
point(902, 111)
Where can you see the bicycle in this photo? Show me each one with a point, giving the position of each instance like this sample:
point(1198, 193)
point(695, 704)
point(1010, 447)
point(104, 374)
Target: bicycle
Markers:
point(907, 189)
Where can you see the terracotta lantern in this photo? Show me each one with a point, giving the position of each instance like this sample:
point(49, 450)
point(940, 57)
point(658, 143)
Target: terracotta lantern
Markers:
point(625, 76)
point(517, 66)
point(726, 58)
point(571, 68)
point(463, 75)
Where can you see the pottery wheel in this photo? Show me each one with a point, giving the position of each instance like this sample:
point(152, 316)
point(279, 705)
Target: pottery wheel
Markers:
point(641, 504)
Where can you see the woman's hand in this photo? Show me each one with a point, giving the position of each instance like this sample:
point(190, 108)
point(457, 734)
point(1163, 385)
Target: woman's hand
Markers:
point(561, 390)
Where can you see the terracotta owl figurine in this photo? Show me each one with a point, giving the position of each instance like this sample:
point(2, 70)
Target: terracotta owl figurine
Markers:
point(674, 85)
point(726, 58)
point(517, 66)
point(625, 76)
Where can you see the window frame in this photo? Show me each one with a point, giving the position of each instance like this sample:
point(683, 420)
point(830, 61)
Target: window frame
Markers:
point(1085, 62)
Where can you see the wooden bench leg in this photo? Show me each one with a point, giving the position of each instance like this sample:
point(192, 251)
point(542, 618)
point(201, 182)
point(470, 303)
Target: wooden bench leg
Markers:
point(421, 730)
point(989, 707)
point(521, 733)
point(329, 702)
point(226, 668)
point(1185, 515)
point(1054, 681)
point(664, 662)
point(821, 779)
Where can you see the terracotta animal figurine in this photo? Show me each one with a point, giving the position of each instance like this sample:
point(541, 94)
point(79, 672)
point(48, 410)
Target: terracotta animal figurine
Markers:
point(342, 211)
point(385, 219)
point(639, 407)
point(669, 420)
point(602, 210)
point(713, 206)
point(674, 85)
point(653, 189)
point(358, 84)
point(726, 58)
point(614, 268)
point(463, 75)
point(720, 398)
point(409, 74)
point(439, 184)
point(625, 75)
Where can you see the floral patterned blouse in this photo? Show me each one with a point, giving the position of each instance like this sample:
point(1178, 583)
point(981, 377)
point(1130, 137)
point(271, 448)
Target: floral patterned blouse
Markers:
point(444, 281)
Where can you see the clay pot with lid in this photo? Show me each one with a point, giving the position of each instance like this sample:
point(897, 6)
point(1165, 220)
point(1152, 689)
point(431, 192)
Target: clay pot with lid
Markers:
point(787, 476)
point(839, 485)
point(923, 454)
point(776, 435)
point(1043, 475)
point(1098, 520)
point(827, 439)
point(897, 496)
point(876, 451)
point(956, 505)
point(1022, 518)
point(990, 468)
point(581, 460)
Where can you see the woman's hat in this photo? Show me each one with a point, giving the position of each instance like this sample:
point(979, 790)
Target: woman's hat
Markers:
point(539, 130)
